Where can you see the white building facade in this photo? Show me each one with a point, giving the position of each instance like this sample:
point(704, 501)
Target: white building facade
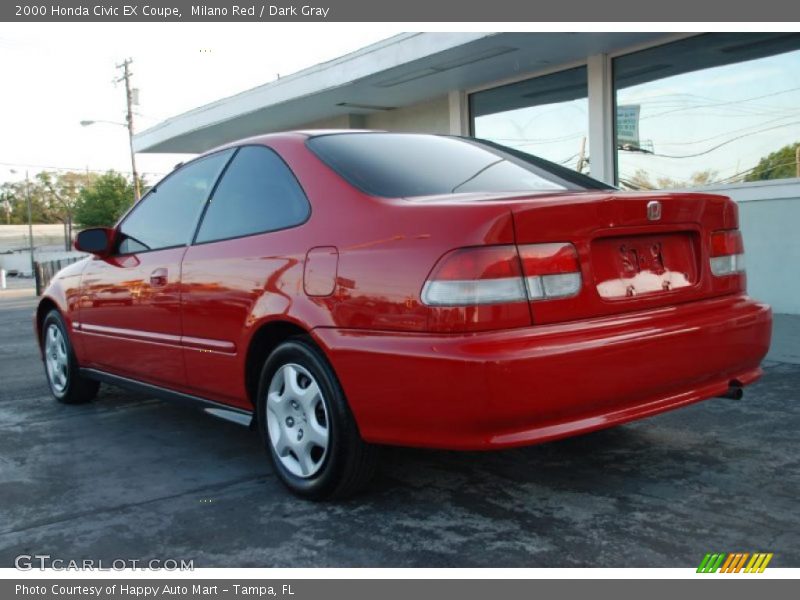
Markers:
point(717, 112)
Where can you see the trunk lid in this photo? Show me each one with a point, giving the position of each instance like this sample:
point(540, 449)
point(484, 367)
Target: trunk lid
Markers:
point(637, 250)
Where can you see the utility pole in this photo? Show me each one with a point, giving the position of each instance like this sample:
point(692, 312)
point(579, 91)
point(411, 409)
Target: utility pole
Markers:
point(126, 77)
point(30, 228)
point(581, 156)
point(797, 160)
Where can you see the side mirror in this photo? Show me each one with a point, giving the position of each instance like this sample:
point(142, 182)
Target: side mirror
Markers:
point(95, 241)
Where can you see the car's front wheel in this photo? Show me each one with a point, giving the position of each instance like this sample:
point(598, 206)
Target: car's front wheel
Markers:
point(307, 426)
point(63, 374)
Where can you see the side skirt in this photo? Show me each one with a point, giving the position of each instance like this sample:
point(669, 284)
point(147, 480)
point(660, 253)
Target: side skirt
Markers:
point(239, 416)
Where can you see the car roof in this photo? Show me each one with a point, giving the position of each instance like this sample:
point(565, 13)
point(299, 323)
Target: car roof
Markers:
point(265, 138)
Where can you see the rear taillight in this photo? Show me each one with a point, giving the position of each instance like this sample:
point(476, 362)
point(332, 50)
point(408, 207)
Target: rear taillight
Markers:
point(727, 253)
point(472, 276)
point(504, 274)
point(551, 270)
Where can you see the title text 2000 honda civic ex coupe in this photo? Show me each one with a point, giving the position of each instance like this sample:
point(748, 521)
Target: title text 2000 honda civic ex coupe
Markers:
point(353, 289)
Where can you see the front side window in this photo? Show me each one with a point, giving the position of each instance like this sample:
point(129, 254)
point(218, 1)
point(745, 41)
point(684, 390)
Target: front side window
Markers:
point(546, 116)
point(167, 216)
point(712, 109)
point(257, 193)
point(407, 165)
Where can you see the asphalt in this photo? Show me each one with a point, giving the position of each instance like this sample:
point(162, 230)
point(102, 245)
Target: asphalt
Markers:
point(128, 477)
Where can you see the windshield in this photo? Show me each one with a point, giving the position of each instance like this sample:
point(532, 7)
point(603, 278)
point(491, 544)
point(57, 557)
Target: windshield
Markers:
point(405, 165)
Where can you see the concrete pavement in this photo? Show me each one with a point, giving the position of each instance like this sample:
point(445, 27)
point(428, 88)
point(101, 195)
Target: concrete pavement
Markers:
point(131, 477)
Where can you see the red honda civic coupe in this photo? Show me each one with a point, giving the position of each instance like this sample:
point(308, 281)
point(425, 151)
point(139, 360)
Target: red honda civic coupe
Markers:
point(345, 290)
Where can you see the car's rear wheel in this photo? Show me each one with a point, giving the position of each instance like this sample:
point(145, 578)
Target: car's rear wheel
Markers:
point(307, 426)
point(63, 374)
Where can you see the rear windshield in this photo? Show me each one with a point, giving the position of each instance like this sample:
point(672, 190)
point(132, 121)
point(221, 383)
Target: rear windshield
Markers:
point(400, 165)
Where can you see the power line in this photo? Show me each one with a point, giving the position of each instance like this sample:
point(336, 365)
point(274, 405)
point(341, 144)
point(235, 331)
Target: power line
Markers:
point(666, 112)
point(55, 168)
point(720, 145)
point(568, 159)
point(535, 141)
point(719, 135)
point(735, 176)
point(75, 169)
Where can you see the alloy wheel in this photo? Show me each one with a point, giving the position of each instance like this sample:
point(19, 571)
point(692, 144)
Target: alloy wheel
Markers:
point(297, 420)
point(56, 359)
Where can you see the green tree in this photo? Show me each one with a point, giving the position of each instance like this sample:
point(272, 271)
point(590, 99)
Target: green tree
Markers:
point(61, 194)
point(780, 164)
point(8, 202)
point(103, 202)
point(15, 194)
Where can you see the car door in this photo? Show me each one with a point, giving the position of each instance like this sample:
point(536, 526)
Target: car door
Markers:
point(130, 317)
point(247, 257)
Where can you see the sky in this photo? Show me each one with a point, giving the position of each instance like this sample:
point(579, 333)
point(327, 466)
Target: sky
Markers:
point(57, 75)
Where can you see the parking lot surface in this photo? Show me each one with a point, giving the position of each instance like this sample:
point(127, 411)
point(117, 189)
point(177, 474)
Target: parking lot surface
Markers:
point(129, 477)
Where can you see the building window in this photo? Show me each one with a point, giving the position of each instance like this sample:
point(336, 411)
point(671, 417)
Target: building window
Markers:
point(546, 116)
point(712, 109)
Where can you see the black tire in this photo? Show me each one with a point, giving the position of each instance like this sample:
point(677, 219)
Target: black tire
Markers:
point(76, 389)
point(348, 463)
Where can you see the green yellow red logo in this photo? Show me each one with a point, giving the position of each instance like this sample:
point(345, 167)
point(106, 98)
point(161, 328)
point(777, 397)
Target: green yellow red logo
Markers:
point(734, 562)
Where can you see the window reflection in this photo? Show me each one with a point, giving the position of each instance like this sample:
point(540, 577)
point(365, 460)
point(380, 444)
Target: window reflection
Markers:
point(546, 116)
point(712, 109)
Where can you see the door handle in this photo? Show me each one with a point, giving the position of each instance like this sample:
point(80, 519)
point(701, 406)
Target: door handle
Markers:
point(158, 278)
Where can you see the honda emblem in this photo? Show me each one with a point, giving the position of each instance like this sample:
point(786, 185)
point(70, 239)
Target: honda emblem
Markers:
point(653, 210)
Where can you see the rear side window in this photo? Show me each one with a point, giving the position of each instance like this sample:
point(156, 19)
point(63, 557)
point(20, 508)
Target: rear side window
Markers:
point(168, 215)
point(396, 165)
point(257, 193)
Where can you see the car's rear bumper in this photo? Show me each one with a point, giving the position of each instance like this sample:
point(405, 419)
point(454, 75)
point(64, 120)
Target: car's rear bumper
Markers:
point(525, 386)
